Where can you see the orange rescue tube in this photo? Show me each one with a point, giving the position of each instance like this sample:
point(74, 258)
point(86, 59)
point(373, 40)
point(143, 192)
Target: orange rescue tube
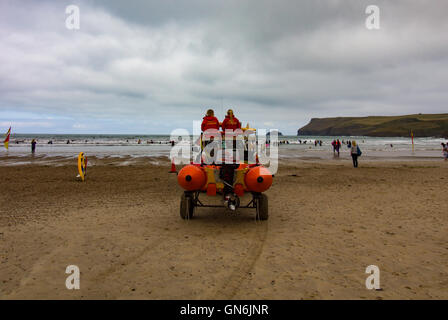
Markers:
point(258, 179)
point(191, 178)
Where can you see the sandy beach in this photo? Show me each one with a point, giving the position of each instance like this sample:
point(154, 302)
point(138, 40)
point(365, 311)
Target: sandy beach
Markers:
point(328, 222)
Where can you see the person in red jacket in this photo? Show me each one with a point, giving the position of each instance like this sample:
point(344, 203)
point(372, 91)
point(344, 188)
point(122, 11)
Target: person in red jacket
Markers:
point(210, 121)
point(231, 122)
point(210, 126)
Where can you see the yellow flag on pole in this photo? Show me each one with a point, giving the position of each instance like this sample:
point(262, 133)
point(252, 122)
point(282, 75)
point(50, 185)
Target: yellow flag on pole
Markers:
point(6, 142)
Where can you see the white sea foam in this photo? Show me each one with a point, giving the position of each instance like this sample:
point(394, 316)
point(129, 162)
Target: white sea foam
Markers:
point(127, 146)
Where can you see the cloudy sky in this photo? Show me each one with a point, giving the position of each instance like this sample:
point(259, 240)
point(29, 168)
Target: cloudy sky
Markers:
point(143, 66)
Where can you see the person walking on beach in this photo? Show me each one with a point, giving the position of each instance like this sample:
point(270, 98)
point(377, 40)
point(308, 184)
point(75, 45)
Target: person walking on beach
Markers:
point(338, 146)
point(33, 146)
point(445, 151)
point(334, 146)
point(355, 153)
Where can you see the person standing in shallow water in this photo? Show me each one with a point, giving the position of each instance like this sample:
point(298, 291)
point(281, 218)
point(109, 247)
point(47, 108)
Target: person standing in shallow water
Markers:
point(33, 146)
point(355, 153)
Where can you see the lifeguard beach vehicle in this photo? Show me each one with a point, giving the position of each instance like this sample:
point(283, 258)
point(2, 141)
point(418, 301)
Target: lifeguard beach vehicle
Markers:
point(230, 180)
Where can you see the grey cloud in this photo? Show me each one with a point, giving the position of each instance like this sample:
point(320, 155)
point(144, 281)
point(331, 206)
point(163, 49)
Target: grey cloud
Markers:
point(273, 61)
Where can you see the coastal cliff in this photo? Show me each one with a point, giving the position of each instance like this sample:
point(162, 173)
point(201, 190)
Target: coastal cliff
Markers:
point(422, 125)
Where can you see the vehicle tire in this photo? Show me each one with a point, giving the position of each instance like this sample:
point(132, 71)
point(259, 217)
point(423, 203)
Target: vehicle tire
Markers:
point(262, 207)
point(186, 206)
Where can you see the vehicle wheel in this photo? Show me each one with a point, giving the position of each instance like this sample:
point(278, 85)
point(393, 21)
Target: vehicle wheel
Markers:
point(262, 207)
point(186, 206)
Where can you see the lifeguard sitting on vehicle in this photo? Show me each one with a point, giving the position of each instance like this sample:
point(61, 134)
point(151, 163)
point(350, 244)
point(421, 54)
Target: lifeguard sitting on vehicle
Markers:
point(231, 122)
point(231, 128)
point(210, 129)
point(210, 121)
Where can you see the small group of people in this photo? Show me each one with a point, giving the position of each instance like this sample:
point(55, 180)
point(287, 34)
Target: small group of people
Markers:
point(139, 141)
point(34, 143)
point(211, 122)
point(445, 150)
point(336, 146)
point(355, 151)
point(226, 173)
point(316, 142)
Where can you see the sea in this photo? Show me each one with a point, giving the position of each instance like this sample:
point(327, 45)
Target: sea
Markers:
point(153, 146)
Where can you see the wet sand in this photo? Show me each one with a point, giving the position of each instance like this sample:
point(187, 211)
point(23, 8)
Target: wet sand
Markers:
point(327, 223)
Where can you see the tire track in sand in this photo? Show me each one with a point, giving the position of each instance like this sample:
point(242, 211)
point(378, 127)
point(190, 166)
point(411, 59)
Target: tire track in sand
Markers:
point(230, 286)
point(118, 267)
point(39, 266)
